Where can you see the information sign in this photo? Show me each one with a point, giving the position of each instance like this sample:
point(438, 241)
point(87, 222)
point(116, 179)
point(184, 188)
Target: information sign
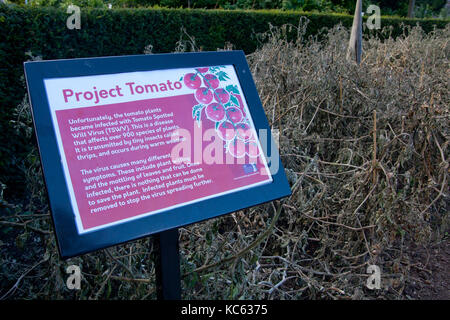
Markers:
point(136, 145)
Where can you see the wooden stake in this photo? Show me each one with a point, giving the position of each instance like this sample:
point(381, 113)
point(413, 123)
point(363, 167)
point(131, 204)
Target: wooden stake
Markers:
point(355, 45)
point(374, 158)
point(341, 97)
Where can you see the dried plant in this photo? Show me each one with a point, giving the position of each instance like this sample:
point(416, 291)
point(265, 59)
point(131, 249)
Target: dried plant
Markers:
point(365, 149)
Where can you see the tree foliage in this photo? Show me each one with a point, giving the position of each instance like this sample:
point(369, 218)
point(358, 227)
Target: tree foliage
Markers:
point(423, 8)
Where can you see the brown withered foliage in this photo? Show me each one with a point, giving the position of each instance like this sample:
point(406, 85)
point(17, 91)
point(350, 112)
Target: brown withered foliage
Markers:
point(365, 149)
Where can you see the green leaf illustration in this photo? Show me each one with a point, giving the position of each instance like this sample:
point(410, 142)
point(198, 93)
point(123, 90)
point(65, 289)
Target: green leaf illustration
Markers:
point(232, 88)
point(195, 109)
point(223, 76)
point(229, 104)
point(234, 100)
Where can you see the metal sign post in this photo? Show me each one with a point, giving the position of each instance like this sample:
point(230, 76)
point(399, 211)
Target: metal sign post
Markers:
point(167, 265)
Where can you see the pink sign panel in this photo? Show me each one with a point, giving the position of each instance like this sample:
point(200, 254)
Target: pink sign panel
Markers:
point(141, 143)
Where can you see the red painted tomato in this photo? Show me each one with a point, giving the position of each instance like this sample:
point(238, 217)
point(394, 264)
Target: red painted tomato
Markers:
point(215, 112)
point(252, 149)
point(236, 148)
point(221, 95)
point(234, 114)
point(192, 81)
point(202, 70)
point(226, 131)
point(211, 81)
point(244, 131)
point(203, 95)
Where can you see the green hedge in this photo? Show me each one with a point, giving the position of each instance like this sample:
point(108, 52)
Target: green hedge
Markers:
point(43, 31)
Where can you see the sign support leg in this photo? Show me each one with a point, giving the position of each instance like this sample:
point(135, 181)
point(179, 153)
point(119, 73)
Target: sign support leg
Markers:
point(168, 279)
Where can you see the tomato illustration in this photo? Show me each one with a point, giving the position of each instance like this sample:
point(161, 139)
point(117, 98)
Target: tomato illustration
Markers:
point(203, 95)
point(236, 148)
point(252, 149)
point(211, 81)
point(234, 114)
point(192, 81)
point(244, 131)
point(215, 112)
point(221, 95)
point(226, 130)
point(202, 70)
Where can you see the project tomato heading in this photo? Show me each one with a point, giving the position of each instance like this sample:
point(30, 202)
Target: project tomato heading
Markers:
point(131, 88)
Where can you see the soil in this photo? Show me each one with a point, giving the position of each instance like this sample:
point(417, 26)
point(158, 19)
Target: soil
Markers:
point(430, 273)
